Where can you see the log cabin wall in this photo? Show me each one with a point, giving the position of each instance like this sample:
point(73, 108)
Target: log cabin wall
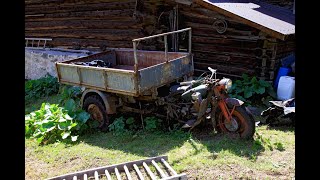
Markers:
point(85, 24)
point(232, 52)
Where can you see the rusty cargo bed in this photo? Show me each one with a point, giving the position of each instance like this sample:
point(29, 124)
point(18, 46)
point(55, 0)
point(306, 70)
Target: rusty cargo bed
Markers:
point(133, 72)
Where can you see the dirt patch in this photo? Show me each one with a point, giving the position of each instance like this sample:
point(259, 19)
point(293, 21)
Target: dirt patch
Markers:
point(234, 171)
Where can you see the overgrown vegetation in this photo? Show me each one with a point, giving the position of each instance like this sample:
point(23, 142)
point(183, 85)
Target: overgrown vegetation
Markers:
point(52, 123)
point(122, 125)
point(40, 88)
point(252, 91)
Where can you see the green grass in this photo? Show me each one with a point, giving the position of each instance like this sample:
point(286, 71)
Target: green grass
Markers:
point(216, 156)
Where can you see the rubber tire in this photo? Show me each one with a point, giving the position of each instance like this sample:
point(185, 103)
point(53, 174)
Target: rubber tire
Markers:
point(96, 100)
point(249, 123)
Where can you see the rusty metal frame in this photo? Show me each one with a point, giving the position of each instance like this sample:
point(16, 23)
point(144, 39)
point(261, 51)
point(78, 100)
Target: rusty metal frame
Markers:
point(135, 41)
point(105, 171)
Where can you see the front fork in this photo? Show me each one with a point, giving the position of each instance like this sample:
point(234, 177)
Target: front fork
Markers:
point(218, 101)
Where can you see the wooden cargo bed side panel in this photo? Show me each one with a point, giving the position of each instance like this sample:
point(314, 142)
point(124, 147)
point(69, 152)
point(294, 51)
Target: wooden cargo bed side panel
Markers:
point(163, 73)
point(93, 77)
point(123, 83)
point(145, 58)
point(68, 74)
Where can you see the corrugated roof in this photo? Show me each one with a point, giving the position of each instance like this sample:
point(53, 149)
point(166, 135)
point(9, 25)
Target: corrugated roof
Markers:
point(276, 21)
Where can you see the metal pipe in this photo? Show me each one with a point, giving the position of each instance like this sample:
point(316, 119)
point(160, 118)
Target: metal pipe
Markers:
point(157, 35)
point(166, 47)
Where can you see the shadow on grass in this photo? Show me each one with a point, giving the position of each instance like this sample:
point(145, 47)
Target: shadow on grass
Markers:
point(150, 144)
point(284, 128)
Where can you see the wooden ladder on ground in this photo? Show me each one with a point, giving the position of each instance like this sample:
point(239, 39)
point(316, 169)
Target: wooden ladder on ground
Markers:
point(124, 169)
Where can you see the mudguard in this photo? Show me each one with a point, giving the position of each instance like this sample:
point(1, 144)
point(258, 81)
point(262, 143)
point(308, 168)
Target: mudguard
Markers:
point(108, 100)
point(234, 101)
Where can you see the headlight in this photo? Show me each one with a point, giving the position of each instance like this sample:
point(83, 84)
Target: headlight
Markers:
point(226, 82)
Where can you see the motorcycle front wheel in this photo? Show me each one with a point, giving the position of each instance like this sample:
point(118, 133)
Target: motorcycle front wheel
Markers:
point(241, 123)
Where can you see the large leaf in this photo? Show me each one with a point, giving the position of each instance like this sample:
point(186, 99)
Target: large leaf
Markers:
point(130, 120)
point(245, 77)
point(72, 125)
point(64, 135)
point(260, 90)
point(247, 92)
point(51, 128)
point(254, 80)
point(264, 83)
point(70, 105)
point(83, 117)
point(74, 138)
point(64, 125)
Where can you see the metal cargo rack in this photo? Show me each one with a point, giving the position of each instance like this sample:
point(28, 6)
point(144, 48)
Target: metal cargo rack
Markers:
point(105, 172)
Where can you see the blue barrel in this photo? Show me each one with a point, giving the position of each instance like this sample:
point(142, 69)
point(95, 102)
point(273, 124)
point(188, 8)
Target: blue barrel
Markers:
point(283, 71)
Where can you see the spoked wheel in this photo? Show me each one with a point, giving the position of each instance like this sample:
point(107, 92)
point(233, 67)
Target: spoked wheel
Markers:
point(240, 124)
point(94, 106)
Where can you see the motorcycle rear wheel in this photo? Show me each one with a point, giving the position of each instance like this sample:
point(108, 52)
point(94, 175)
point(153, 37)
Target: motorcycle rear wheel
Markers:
point(243, 125)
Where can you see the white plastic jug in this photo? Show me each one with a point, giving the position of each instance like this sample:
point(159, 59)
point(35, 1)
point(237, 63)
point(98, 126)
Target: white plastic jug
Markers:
point(286, 88)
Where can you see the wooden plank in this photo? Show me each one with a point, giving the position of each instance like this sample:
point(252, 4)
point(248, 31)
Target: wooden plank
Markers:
point(110, 18)
point(54, 2)
point(82, 24)
point(226, 35)
point(127, 172)
point(210, 27)
point(149, 172)
point(224, 41)
point(224, 68)
point(217, 48)
point(103, 13)
point(107, 174)
point(138, 172)
point(74, 7)
point(210, 19)
point(90, 42)
point(65, 33)
point(74, 178)
point(168, 166)
point(85, 177)
point(235, 54)
point(162, 174)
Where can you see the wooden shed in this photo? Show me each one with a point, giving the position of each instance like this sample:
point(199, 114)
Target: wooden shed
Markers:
point(233, 36)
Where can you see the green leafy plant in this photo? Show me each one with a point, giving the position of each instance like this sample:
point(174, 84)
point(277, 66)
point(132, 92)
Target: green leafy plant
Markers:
point(131, 123)
point(152, 123)
point(118, 126)
point(41, 87)
point(279, 146)
point(67, 92)
point(252, 90)
point(52, 123)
